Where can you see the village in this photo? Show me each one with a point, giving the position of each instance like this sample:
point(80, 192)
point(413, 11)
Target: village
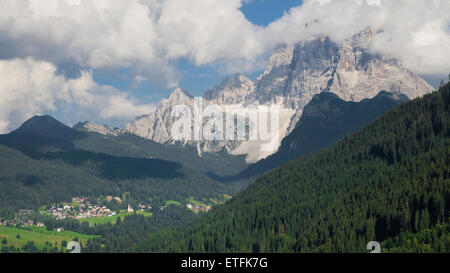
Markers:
point(79, 208)
point(83, 208)
point(22, 218)
point(198, 208)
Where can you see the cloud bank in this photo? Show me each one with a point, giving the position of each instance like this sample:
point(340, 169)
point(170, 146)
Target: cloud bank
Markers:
point(40, 38)
point(29, 87)
point(149, 35)
point(415, 31)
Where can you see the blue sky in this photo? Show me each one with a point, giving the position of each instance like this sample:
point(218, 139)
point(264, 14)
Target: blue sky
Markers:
point(262, 12)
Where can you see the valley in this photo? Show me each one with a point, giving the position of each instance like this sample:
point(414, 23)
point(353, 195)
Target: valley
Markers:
point(352, 146)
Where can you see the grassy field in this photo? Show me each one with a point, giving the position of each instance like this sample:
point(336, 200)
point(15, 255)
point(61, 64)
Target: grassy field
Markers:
point(172, 203)
point(113, 219)
point(211, 201)
point(39, 235)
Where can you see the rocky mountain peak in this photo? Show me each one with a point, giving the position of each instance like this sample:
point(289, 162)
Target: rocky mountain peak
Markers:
point(293, 76)
point(232, 90)
point(272, 82)
point(156, 126)
point(362, 38)
point(234, 82)
point(180, 94)
point(280, 59)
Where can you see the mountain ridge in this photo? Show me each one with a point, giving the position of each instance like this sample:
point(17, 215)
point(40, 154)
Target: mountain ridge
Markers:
point(42, 162)
point(106, 130)
point(294, 74)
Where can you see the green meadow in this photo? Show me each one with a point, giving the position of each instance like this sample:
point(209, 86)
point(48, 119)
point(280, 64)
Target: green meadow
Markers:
point(40, 236)
point(172, 203)
point(111, 219)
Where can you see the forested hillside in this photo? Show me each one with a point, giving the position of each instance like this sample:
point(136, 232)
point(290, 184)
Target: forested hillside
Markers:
point(388, 180)
point(428, 240)
point(128, 145)
point(39, 165)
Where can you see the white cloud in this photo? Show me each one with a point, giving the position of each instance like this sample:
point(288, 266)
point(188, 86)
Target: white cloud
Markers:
point(414, 31)
point(148, 37)
point(29, 87)
point(123, 106)
point(207, 31)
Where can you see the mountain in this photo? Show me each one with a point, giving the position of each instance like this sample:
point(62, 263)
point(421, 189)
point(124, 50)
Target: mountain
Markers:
point(106, 130)
point(48, 127)
point(387, 181)
point(348, 69)
point(325, 120)
point(42, 133)
point(293, 76)
point(129, 145)
point(156, 126)
point(233, 90)
point(41, 163)
point(46, 134)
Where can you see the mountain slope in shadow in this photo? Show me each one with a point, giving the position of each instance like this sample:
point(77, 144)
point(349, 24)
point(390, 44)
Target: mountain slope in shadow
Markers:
point(326, 119)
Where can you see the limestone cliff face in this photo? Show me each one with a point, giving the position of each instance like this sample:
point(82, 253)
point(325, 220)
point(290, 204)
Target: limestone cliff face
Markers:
point(233, 90)
point(347, 69)
point(358, 74)
point(271, 84)
point(157, 125)
point(294, 75)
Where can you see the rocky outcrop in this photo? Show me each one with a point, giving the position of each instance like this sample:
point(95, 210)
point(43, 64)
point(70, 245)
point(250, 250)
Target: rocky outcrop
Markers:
point(106, 130)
